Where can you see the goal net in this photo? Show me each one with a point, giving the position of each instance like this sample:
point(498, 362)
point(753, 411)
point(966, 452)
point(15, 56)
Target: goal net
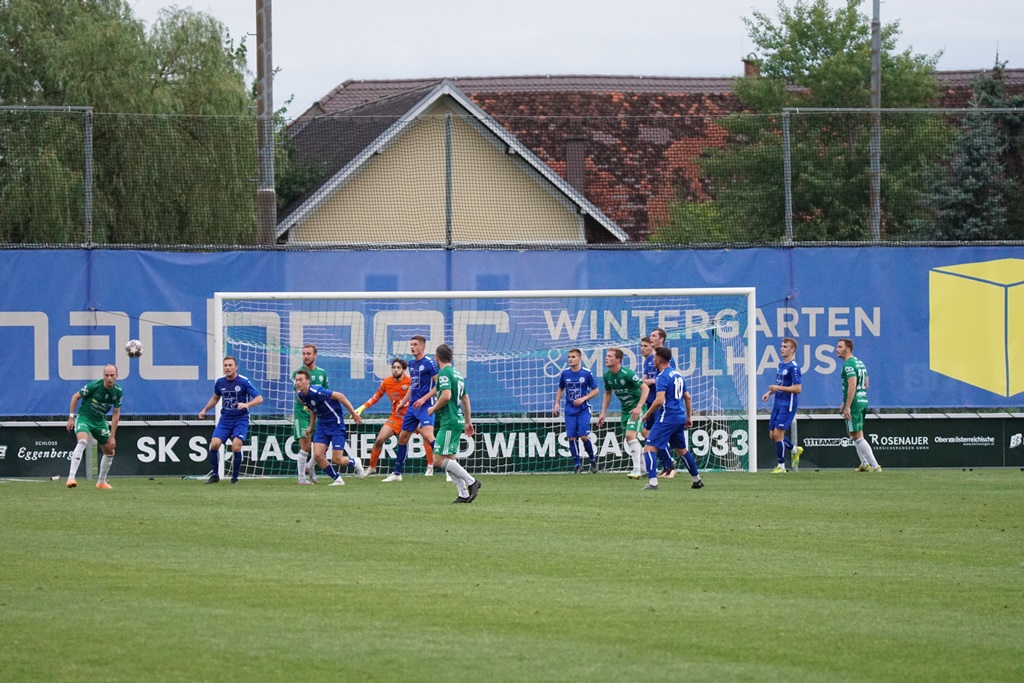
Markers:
point(511, 348)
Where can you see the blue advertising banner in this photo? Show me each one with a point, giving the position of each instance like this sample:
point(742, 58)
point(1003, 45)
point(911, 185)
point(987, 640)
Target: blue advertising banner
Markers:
point(936, 327)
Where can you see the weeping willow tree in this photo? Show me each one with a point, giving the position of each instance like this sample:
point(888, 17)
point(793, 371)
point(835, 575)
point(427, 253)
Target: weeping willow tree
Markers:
point(174, 140)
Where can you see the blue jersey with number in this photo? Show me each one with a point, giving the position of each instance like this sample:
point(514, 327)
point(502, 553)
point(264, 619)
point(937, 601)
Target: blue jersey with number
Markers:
point(420, 373)
point(329, 411)
point(576, 384)
point(650, 372)
point(673, 410)
point(232, 392)
point(787, 375)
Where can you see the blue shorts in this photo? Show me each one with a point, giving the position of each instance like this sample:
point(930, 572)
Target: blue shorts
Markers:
point(781, 418)
point(334, 435)
point(664, 434)
point(578, 424)
point(230, 428)
point(416, 418)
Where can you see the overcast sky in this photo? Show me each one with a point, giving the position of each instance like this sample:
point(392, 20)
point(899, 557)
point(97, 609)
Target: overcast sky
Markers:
point(318, 44)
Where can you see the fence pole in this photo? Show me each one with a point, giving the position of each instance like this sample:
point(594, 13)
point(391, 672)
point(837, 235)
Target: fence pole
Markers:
point(787, 175)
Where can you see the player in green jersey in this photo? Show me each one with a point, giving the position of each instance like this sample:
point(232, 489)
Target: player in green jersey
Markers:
point(854, 377)
point(99, 397)
point(300, 422)
point(453, 417)
point(632, 393)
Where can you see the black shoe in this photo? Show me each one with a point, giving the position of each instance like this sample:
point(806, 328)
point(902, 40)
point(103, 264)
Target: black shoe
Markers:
point(234, 480)
point(213, 479)
point(579, 468)
point(474, 488)
point(593, 467)
point(699, 484)
point(460, 499)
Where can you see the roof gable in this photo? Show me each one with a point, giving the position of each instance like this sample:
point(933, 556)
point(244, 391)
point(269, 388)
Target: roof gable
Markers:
point(387, 118)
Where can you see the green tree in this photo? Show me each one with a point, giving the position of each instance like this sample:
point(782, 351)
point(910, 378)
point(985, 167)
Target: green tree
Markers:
point(814, 56)
point(173, 132)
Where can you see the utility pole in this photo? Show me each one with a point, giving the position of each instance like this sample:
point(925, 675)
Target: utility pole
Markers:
point(876, 123)
point(266, 197)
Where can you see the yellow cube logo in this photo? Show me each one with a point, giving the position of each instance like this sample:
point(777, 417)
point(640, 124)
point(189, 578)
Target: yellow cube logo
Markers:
point(976, 326)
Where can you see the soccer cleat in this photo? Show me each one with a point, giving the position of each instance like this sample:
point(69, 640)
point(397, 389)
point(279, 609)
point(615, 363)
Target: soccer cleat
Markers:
point(429, 472)
point(864, 467)
point(795, 458)
point(670, 474)
point(391, 477)
point(579, 468)
point(699, 484)
point(338, 482)
point(213, 479)
point(305, 482)
point(779, 469)
point(663, 473)
point(371, 470)
point(876, 469)
point(474, 488)
point(361, 475)
point(72, 483)
point(103, 485)
point(311, 471)
point(634, 475)
point(460, 499)
point(650, 487)
point(234, 480)
point(447, 476)
point(593, 466)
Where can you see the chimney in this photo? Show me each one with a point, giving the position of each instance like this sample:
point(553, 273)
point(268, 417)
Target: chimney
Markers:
point(576, 162)
point(751, 66)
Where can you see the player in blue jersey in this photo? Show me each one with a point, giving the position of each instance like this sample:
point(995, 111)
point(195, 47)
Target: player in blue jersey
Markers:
point(672, 415)
point(421, 396)
point(786, 389)
point(579, 386)
point(650, 374)
point(327, 425)
point(237, 395)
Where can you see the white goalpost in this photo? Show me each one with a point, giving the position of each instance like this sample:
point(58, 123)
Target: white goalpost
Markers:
point(511, 347)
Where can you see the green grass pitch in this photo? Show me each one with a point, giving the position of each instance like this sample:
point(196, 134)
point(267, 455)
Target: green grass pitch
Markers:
point(817, 576)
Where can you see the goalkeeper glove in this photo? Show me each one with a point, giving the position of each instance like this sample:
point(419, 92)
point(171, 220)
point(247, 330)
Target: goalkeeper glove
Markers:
point(360, 409)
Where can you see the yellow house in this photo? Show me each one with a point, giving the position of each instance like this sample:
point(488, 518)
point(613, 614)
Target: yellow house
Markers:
point(429, 168)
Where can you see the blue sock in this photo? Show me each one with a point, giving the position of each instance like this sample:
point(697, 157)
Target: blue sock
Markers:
point(789, 444)
point(236, 464)
point(651, 463)
point(401, 453)
point(590, 449)
point(691, 464)
point(574, 451)
point(666, 459)
point(214, 460)
point(780, 451)
point(331, 472)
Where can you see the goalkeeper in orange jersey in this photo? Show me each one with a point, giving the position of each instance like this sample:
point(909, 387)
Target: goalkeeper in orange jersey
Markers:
point(395, 387)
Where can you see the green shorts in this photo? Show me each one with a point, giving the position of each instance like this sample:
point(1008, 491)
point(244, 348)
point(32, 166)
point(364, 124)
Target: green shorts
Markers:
point(300, 423)
point(99, 429)
point(447, 441)
point(856, 421)
point(631, 425)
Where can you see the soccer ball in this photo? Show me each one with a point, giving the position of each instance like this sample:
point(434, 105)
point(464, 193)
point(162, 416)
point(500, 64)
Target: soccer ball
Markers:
point(133, 348)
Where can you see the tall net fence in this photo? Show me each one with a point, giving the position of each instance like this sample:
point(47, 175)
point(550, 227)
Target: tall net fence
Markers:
point(383, 175)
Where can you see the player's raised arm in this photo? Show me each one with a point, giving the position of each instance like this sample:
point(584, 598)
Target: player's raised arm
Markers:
point(370, 402)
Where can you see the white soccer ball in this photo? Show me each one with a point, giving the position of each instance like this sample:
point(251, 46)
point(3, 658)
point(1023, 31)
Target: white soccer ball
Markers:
point(133, 348)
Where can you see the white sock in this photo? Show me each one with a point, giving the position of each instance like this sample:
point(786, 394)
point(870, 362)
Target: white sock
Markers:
point(300, 464)
point(105, 462)
point(76, 458)
point(461, 487)
point(634, 449)
point(865, 452)
point(457, 471)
